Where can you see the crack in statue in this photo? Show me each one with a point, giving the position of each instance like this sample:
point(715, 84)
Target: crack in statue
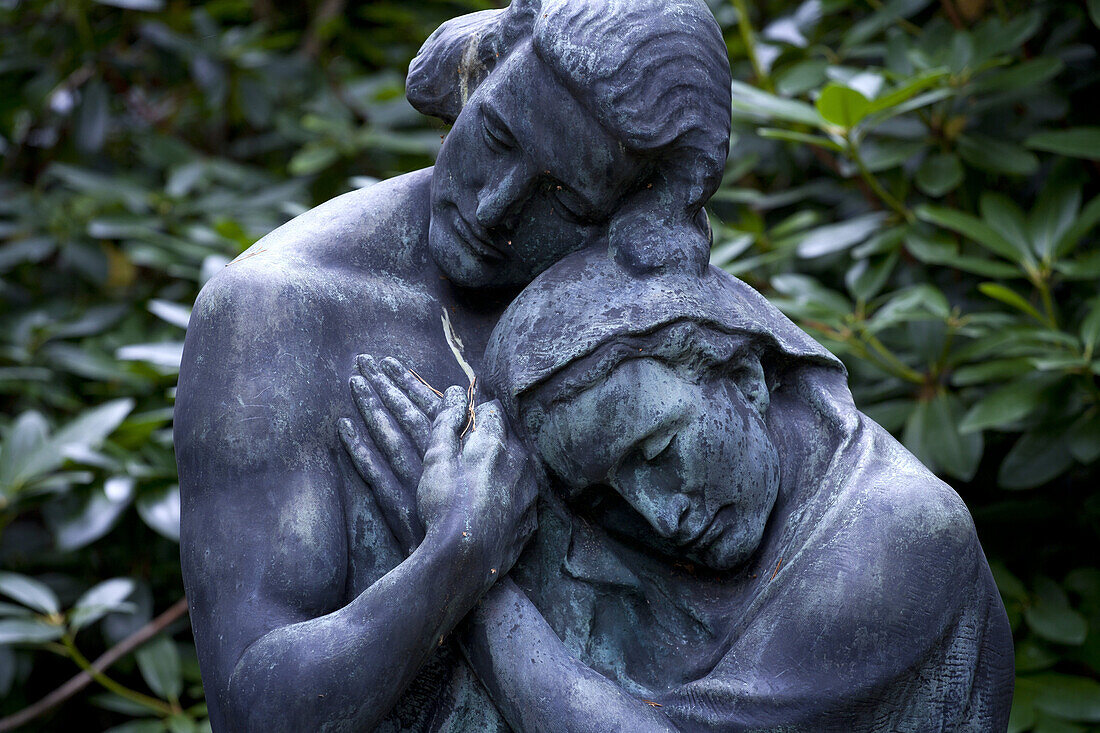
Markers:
point(656, 509)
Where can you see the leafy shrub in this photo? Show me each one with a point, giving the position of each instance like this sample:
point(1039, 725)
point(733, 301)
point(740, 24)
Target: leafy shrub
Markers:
point(914, 183)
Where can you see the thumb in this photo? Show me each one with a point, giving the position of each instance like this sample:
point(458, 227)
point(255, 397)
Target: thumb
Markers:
point(444, 440)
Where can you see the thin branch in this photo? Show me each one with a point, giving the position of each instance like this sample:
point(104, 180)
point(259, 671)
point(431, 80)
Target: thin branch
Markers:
point(744, 25)
point(109, 657)
point(312, 43)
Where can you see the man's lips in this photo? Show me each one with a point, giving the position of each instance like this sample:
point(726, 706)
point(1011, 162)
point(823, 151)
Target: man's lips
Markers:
point(477, 241)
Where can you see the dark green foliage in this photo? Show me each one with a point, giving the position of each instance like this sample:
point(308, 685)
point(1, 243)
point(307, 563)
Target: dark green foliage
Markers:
point(913, 182)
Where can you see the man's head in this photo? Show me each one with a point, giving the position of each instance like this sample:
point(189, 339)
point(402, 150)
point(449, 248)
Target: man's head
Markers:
point(575, 122)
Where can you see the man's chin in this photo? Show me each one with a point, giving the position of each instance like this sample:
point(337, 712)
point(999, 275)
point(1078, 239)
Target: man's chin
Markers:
point(460, 267)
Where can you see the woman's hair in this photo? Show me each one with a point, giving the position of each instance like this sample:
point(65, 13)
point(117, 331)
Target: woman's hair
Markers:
point(698, 351)
point(654, 73)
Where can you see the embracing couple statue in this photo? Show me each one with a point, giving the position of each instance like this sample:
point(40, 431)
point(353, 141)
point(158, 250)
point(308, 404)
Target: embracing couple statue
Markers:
point(647, 503)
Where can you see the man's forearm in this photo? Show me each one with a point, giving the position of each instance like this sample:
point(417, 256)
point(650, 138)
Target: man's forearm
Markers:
point(351, 666)
point(537, 684)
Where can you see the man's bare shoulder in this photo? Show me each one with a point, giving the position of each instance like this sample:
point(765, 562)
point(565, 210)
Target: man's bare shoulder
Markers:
point(285, 319)
point(381, 228)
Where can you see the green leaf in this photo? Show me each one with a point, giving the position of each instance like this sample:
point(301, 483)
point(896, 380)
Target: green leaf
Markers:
point(801, 77)
point(167, 355)
point(1076, 142)
point(1040, 455)
point(26, 451)
point(1005, 406)
point(791, 136)
point(79, 520)
point(1051, 617)
point(969, 226)
point(933, 430)
point(28, 631)
point(866, 279)
point(939, 174)
point(150, 725)
point(1033, 656)
point(92, 117)
point(1084, 437)
point(891, 415)
point(997, 156)
point(312, 159)
point(996, 370)
point(161, 511)
point(92, 427)
point(1008, 584)
point(1006, 218)
point(30, 592)
point(1068, 697)
point(1085, 222)
point(159, 662)
point(939, 250)
point(840, 236)
point(174, 313)
point(842, 105)
point(756, 104)
point(150, 6)
point(97, 602)
point(1011, 297)
point(1090, 325)
point(1094, 12)
point(909, 89)
point(1053, 216)
point(8, 669)
point(1021, 76)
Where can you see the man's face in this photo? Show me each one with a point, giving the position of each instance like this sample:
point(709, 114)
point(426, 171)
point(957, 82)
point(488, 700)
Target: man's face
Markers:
point(525, 177)
point(682, 466)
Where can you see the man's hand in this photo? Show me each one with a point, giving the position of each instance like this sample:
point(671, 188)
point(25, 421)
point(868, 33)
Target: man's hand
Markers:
point(484, 487)
point(471, 478)
point(397, 409)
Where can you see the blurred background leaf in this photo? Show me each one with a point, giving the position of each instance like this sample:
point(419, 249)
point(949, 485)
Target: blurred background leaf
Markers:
point(914, 183)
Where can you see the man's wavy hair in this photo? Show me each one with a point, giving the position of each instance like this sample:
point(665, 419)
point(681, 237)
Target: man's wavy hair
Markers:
point(654, 73)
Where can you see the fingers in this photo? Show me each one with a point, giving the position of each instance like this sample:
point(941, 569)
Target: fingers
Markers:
point(388, 436)
point(489, 428)
point(423, 396)
point(392, 502)
point(409, 416)
point(444, 443)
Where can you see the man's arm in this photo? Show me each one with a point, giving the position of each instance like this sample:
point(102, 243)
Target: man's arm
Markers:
point(265, 542)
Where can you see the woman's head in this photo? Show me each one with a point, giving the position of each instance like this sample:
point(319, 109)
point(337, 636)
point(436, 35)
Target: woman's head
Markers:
point(648, 399)
point(664, 437)
point(574, 121)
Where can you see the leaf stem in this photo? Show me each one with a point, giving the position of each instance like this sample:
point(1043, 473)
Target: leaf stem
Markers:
point(121, 690)
point(909, 27)
point(744, 25)
point(879, 190)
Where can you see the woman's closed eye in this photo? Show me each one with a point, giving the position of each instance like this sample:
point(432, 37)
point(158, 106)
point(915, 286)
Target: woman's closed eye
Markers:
point(656, 446)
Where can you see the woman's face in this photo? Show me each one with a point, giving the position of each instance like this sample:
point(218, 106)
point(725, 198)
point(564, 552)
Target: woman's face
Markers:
point(525, 176)
point(691, 459)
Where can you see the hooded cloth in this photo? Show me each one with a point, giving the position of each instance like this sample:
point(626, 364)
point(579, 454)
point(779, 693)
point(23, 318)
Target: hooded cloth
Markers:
point(868, 606)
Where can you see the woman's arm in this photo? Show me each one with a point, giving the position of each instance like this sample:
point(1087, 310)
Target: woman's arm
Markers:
point(537, 684)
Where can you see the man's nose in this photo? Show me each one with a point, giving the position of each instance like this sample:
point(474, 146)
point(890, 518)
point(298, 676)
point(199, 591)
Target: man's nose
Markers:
point(499, 197)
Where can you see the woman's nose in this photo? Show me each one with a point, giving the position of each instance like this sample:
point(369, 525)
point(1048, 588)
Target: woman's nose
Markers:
point(498, 197)
point(665, 512)
point(669, 515)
